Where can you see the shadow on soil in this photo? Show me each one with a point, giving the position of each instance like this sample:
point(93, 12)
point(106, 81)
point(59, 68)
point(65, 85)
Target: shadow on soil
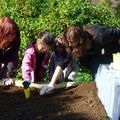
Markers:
point(55, 106)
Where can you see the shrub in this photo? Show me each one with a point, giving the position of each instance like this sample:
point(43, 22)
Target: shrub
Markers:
point(33, 16)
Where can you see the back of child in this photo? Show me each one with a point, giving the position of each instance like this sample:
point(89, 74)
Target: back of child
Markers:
point(58, 56)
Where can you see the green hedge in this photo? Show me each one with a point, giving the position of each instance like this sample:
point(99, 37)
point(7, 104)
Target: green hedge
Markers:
point(33, 16)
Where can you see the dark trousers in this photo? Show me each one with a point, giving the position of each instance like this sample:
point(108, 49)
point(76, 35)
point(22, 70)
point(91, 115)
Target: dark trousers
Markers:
point(7, 70)
point(92, 62)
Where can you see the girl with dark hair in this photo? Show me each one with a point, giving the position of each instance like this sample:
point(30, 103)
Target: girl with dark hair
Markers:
point(92, 46)
point(9, 46)
point(36, 58)
point(59, 55)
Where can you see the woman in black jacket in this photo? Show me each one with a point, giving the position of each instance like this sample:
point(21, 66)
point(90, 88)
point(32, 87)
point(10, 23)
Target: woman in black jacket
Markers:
point(92, 46)
point(9, 46)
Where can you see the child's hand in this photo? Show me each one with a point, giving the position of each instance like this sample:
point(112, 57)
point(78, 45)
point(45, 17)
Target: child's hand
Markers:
point(46, 89)
point(8, 81)
point(26, 84)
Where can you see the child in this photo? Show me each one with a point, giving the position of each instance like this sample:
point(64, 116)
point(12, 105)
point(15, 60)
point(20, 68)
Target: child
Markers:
point(58, 56)
point(93, 46)
point(9, 46)
point(36, 58)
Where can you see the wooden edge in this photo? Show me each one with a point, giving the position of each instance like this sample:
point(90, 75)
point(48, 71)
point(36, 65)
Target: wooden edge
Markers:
point(1, 83)
point(36, 85)
point(40, 85)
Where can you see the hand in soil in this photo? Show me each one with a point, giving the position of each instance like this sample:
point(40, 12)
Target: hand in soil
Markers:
point(46, 89)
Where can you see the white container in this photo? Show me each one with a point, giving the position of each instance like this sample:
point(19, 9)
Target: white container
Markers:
point(116, 60)
point(108, 85)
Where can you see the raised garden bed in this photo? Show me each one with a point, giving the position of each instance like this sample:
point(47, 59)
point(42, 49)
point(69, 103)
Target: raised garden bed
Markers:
point(77, 103)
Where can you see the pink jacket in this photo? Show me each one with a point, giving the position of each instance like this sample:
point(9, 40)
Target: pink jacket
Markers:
point(29, 64)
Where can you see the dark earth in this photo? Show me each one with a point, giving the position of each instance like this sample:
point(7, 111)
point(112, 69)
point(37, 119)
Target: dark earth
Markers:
point(78, 103)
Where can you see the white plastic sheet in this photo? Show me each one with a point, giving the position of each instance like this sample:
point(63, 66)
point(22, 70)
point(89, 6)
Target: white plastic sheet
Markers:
point(108, 85)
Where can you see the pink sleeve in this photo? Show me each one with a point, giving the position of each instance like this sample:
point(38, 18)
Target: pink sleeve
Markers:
point(27, 67)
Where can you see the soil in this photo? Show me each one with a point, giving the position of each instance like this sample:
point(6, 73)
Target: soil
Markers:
point(78, 103)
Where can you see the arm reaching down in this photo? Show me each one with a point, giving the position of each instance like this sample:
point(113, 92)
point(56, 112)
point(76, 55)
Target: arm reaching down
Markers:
point(48, 88)
point(58, 71)
point(56, 75)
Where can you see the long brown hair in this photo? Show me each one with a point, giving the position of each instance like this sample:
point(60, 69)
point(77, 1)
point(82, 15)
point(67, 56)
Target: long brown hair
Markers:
point(9, 31)
point(78, 38)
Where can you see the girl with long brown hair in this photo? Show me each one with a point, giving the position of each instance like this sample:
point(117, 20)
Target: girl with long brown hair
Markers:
point(93, 46)
point(9, 46)
point(59, 54)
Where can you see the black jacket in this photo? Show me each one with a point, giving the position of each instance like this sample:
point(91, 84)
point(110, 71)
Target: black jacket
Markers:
point(9, 57)
point(104, 44)
point(106, 40)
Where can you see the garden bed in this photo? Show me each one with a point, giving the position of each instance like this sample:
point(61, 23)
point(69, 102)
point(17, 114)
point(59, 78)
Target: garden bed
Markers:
point(77, 103)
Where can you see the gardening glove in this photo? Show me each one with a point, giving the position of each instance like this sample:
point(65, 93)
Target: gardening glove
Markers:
point(46, 89)
point(7, 81)
point(26, 84)
point(72, 76)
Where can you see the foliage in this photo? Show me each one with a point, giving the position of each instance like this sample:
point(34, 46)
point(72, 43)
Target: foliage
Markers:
point(83, 75)
point(33, 16)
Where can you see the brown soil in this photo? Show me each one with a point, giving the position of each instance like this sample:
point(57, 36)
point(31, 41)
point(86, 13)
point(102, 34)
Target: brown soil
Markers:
point(78, 103)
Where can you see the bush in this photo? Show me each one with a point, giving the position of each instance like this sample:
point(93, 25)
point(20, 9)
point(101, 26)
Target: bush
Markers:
point(83, 75)
point(33, 16)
